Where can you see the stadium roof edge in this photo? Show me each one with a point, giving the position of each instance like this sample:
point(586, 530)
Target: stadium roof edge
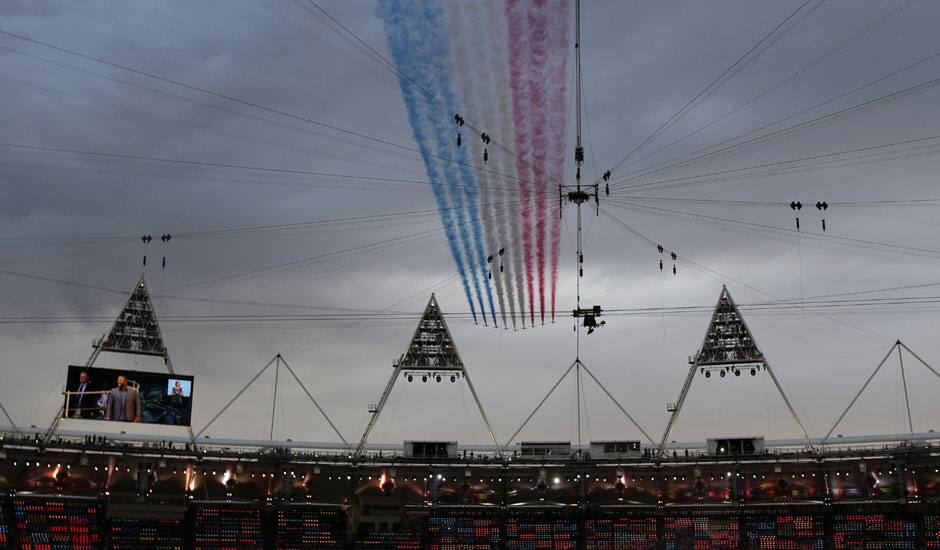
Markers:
point(334, 447)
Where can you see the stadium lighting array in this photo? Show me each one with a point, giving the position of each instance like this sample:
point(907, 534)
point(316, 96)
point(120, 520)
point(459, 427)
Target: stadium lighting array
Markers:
point(723, 371)
point(436, 376)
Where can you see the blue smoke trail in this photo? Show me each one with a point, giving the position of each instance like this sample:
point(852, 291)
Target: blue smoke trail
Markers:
point(400, 44)
point(436, 27)
point(426, 62)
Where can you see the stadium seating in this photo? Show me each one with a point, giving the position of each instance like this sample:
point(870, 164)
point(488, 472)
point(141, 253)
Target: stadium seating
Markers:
point(227, 528)
point(536, 531)
point(126, 533)
point(720, 532)
point(389, 539)
point(620, 532)
point(463, 532)
point(304, 526)
point(34, 523)
point(874, 530)
point(779, 531)
point(932, 530)
point(54, 524)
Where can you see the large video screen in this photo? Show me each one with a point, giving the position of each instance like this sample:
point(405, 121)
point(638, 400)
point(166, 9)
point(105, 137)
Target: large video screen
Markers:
point(119, 395)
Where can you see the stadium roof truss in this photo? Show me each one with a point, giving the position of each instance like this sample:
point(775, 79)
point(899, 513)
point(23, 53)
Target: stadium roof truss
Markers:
point(431, 351)
point(898, 345)
point(277, 361)
point(728, 345)
point(135, 331)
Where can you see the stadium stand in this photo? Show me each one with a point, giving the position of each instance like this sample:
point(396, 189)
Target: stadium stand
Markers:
point(52, 524)
point(227, 528)
point(302, 526)
point(126, 533)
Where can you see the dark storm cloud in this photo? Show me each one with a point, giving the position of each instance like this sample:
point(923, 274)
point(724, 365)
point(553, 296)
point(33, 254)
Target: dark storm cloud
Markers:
point(642, 61)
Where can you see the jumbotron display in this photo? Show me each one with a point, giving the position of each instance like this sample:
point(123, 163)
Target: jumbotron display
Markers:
point(94, 393)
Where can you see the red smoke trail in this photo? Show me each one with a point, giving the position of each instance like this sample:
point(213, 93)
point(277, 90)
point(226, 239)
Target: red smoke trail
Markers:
point(538, 107)
point(518, 64)
point(556, 100)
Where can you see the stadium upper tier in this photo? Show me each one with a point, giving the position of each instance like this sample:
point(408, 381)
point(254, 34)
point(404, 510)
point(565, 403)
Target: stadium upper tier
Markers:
point(94, 466)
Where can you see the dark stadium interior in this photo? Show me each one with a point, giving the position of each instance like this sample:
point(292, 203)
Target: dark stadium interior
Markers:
point(87, 493)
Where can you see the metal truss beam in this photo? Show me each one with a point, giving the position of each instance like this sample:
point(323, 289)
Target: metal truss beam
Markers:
point(897, 345)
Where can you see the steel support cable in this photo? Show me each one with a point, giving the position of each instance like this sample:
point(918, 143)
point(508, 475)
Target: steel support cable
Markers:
point(782, 134)
point(922, 143)
point(224, 96)
point(619, 406)
point(249, 322)
point(775, 204)
point(409, 156)
point(894, 217)
point(859, 394)
point(406, 214)
point(219, 95)
point(237, 395)
point(124, 292)
point(330, 314)
point(819, 237)
point(826, 238)
point(279, 268)
point(859, 160)
point(345, 328)
point(182, 298)
point(783, 236)
point(316, 223)
point(306, 261)
point(184, 162)
point(314, 401)
point(208, 164)
point(792, 302)
point(624, 225)
point(403, 154)
point(707, 152)
point(729, 73)
point(144, 175)
point(868, 333)
point(203, 127)
point(323, 42)
point(786, 80)
point(539, 406)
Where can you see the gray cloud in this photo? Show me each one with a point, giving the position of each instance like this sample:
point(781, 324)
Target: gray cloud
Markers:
point(642, 62)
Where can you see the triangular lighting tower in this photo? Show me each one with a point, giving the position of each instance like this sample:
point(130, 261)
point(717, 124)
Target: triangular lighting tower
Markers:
point(432, 346)
point(728, 348)
point(136, 331)
point(728, 341)
point(430, 354)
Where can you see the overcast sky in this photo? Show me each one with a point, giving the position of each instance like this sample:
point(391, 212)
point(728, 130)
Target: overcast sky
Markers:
point(642, 62)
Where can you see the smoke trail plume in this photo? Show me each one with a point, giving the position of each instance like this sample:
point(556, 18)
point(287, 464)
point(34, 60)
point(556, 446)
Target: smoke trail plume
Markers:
point(466, 22)
point(559, 17)
point(518, 59)
point(464, 180)
point(403, 26)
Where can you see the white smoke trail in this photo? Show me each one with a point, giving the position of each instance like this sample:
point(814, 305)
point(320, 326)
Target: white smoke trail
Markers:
point(518, 55)
point(497, 40)
point(465, 26)
point(559, 51)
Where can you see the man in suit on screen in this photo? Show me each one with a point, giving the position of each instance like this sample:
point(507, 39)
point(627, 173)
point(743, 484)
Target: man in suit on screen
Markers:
point(123, 403)
point(82, 399)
